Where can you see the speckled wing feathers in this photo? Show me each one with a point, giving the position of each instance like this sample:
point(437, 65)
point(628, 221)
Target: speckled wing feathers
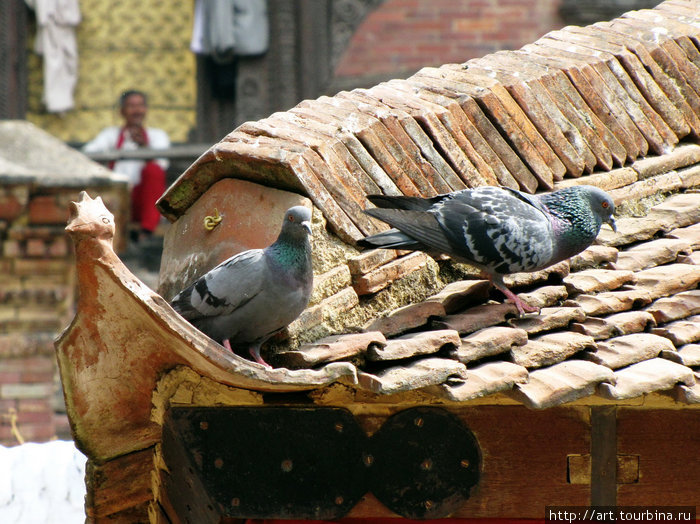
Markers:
point(499, 230)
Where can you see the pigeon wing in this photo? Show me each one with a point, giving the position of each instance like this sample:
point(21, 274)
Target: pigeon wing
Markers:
point(227, 287)
point(503, 231)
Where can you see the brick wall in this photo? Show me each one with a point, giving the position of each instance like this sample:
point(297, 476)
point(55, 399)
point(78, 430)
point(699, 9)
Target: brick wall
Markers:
point(37, 296)
point(401, 36)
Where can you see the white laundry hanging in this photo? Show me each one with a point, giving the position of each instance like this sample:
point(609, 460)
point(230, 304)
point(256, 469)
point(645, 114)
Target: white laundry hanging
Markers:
point(56, 41)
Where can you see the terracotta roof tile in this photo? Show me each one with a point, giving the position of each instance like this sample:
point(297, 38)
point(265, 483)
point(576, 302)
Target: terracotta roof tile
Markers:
point(406, 318)
point(629, 349)
point(594, 280)
point(549, 318)
point(321, 160)
point(545, 296)
point(481, 381)
point(613, 179)
point(593, 256)
point(652, 127)
point(688, 355)
point(329, 283)
point(480, 151)
point(415, 344)
point(646, 83)
point(382, 276)
point(651, 254)
point(681, 332)
point(668, 182)
point(677, 211)
point(646, 377)
point(330, 349)
point(680, 60)
point(314, 316)
point(415, 375)
point(680, 305)
point(579, 83)
point(601, 328)
point(488, 342)
point(682, 156)
point(476, 318)
point(690, 177)
point(433, 81)
point(440, 124)
point(506, 114)
point(563, 382)
point(320, 135)
point(664, 56)
point(369, 260)
point(689, 395)
point(458, 295)
point(417, 145)
point(690, 234)
point(580, 131)
point(611, 301)
point(693, 258)
point(543, 112)
point(667, 280)
point(551, 348)
point(378, 141)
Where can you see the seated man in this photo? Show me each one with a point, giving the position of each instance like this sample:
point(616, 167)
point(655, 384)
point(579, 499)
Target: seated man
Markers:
point(146, 178)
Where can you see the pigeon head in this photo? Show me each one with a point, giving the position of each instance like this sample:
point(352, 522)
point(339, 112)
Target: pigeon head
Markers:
point(297, 222)
point(602, 205)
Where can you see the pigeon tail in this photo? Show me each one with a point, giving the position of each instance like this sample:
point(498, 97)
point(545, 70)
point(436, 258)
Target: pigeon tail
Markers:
point(391, 239)
point(404, 202)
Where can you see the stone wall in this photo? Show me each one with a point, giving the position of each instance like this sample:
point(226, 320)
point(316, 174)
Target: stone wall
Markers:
point(37, 300)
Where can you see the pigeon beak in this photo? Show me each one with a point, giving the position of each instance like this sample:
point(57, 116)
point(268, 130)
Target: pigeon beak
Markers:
point(611, 223)
point(306, 225)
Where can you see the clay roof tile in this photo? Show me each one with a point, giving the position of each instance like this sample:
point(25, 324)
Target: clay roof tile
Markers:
point(563, 382)
point(656, 374)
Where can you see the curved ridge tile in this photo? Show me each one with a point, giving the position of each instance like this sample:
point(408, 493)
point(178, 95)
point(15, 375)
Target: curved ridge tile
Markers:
point(656, 374)
point(563, 382)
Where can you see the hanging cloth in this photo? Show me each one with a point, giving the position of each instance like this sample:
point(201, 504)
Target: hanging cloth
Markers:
point(56, 41)
point(225, 29)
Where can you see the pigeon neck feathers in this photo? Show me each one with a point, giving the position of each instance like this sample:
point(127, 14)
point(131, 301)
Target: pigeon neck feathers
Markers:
point(292, 250)
point(575, 219)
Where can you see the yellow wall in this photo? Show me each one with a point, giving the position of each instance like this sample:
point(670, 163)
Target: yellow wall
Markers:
point(142, 44)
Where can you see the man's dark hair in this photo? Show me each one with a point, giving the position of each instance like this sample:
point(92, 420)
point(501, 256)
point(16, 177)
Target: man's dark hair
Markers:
point(129, 92)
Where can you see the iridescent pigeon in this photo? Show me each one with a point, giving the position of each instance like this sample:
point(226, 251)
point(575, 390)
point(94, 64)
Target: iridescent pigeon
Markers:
point(251, 296)
point(498, 230)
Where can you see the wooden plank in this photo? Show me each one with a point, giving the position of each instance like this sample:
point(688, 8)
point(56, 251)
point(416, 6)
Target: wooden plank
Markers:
point(519, 475)
point(668, 445)
point(120, 485)
point(603, 455)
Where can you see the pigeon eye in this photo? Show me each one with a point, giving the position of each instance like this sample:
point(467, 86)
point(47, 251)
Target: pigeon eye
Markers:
point(605, 205)
point(290, 218)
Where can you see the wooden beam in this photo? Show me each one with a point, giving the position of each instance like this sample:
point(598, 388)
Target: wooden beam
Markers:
point(603, 456)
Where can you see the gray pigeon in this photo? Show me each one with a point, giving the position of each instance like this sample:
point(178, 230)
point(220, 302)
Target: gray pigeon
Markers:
point(251, 296)
point(498, 230)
